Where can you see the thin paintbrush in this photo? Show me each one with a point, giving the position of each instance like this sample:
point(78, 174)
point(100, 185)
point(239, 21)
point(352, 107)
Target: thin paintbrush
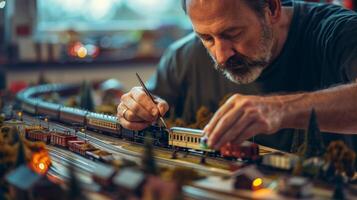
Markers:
point(151, 97)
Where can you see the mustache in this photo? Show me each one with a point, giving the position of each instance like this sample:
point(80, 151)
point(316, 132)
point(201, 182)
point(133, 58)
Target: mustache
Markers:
point(240, 60)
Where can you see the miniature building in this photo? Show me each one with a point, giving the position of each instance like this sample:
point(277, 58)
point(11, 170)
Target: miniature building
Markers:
point(279, 160)
point(26, 184)
point(22, 180)
point(103, 175)
point(129, 181)
point(248, 178)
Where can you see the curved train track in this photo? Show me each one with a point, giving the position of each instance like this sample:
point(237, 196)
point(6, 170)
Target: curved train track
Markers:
point(179, 138)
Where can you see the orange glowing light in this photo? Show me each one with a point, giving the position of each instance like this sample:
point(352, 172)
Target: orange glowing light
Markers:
point(257, 182)
point(41, 166)
point(82, 52)
point(40, 162)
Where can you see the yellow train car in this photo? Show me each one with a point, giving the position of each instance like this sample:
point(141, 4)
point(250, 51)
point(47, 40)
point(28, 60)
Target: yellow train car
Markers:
point(187, 138)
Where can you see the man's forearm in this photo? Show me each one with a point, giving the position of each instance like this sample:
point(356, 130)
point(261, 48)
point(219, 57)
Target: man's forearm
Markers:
point(336, 109)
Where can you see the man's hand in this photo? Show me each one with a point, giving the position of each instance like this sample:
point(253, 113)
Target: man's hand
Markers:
point(136, 110)
point(242, 117)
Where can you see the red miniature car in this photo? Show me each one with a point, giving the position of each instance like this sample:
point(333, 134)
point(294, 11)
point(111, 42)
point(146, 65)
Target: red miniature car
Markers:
point(245, 151)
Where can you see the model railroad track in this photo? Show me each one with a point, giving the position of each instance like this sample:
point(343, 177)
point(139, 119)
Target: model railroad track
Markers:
point(61, 159)
point(131, 155)
point(84, 168)
point(106, 143)
point(111, 144)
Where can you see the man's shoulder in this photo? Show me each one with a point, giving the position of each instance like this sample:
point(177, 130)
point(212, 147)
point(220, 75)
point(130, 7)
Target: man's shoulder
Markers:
point(319, 23)
point(188, 43)
point(321, 11)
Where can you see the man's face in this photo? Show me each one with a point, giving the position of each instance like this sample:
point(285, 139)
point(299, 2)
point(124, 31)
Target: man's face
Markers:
point(238, 39)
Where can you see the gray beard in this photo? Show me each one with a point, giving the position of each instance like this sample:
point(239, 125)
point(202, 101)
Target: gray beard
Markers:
point(248, 74)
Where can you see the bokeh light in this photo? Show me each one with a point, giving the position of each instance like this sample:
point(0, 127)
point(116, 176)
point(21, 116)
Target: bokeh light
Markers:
point(149, 7)
point(257, 182)
point(82, 52)
point(2, 4)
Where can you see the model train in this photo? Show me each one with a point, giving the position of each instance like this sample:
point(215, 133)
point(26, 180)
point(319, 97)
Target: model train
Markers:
point(71, 143)
point(176, 137)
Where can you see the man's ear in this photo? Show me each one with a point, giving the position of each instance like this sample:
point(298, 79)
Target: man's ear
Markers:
point(274, 10)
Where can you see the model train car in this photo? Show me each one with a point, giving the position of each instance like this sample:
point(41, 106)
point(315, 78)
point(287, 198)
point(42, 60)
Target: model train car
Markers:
point(71, 143)
point(186, 138)
point(245, 151)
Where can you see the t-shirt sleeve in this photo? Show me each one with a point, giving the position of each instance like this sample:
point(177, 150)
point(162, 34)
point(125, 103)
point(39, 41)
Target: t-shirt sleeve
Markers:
point(349, 67)
point(340, 37)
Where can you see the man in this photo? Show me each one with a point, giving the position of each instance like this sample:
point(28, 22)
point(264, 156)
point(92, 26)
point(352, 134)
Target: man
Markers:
point(302, 50)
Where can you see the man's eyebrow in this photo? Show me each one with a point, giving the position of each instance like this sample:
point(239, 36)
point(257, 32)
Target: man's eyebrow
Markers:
point(225, 31)
point(232, 29)
point(201, 34)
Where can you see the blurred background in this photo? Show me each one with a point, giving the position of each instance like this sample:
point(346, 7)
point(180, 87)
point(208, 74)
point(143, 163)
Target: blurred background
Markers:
point(93, 40)
point(73, 40)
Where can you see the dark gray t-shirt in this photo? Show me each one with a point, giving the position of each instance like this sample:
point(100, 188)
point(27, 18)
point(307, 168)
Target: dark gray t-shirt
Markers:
point(320, 51)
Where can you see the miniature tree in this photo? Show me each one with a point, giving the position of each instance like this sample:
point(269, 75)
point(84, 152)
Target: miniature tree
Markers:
point(148, 160)
point(341, 159)
point(339, 193)
point(2, 119)
point(297, 171)
point(298, 139)
point(21, 156)
point(182, 176)
point(86, 97)
point(74, 188)
point(14, 136)
point(2, 193)
point(203, 116)
point(313, 145)
point(42, 79)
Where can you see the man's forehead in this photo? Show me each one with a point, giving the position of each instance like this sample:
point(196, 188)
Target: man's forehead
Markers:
point(218, 5)
point(205, 10)
point(217, 15)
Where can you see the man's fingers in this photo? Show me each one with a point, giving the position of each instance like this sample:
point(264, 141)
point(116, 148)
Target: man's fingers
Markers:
point(130, 116)
point(234, 131)
point(145, 101)
point(223, 124)
point(139, 110)
point(216, 118)
point(124, 112)
point(162, 105)
point(251, 130)
point(136, 110)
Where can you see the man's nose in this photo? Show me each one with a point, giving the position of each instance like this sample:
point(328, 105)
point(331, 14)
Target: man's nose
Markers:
point(224, 50)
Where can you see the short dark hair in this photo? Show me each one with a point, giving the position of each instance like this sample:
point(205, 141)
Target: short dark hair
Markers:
point(257, 5)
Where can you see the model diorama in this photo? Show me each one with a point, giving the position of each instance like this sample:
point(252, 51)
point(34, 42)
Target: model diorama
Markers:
point(116, 177)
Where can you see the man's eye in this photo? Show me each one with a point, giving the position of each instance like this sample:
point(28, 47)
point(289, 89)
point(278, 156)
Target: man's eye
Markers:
point(235, 36)
point(207, 39)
